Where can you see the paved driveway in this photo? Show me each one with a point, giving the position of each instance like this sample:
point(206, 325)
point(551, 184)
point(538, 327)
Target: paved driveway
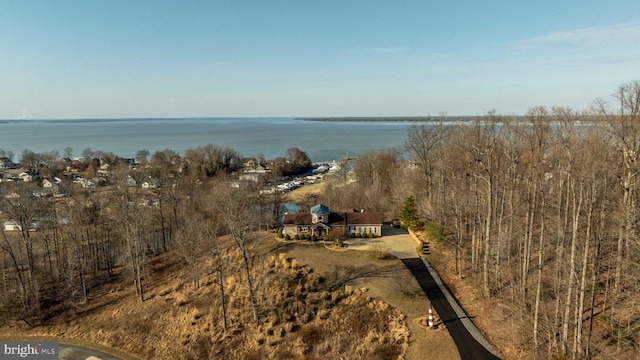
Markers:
point(470, 342)
point(395, 241)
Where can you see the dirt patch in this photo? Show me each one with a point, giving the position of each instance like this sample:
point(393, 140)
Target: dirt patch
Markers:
point(386, 279)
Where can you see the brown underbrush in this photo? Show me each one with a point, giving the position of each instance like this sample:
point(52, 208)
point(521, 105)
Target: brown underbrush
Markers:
point(302, 316)
point(510, 330)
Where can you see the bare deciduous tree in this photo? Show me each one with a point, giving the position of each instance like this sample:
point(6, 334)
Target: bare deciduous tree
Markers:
point(236, 210)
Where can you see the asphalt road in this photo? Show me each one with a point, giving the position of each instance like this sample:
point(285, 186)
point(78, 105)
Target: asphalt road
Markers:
point(467, 345)
point(74, 352)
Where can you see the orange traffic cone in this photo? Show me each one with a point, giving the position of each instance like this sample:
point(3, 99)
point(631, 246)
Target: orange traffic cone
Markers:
point(431, 327)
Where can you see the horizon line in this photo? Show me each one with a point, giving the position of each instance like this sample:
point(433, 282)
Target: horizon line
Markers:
point(250, 117)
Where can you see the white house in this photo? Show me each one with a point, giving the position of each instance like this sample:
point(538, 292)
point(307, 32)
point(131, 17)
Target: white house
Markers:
point(256, 177)
point(25, 177)
point(150, 184)
point(11, 225)
point(104, 169)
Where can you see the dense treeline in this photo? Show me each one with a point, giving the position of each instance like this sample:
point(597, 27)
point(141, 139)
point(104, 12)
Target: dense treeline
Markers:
point(543, 216)
point(541, 212)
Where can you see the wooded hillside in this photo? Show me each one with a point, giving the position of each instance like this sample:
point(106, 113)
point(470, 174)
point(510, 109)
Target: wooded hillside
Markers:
point(543, 215)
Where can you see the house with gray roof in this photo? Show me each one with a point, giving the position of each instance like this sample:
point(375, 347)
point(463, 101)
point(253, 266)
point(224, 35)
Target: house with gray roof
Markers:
point(6, 163)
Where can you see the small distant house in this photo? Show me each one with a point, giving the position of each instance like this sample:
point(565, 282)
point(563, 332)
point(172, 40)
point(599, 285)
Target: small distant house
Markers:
point(51, 187)
point(11, 225)
point(76, 165)
point(8, 177)
point(6, 163)
point(255, 177)
point(319, 221)
point(35, 226)
point(104, 169)
point(151, 184)
point(130, 181)
point(250, 163)
point(25, 177)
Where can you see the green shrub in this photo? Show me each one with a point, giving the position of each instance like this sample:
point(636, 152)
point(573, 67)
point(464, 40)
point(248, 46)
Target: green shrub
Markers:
point(287, 237)
point(353, 235)
point(297, 237)
point(433, 232)
point(359, 235)
point(325, 238)
point(313, 238)
point(280, 234)
point(370, 235)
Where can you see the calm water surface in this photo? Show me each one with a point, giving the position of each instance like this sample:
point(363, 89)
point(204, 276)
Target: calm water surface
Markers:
point(323, 141)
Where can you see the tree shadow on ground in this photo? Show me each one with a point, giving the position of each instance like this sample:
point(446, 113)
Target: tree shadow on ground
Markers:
point(281, 246)
point(343, 275)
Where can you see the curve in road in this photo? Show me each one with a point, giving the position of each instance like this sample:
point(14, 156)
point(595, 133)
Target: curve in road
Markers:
point(76, 352)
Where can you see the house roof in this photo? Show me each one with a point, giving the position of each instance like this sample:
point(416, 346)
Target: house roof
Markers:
point(340, 219)
point(364, 218)
point(320, 209)
point(337, 218)
point(301, 218)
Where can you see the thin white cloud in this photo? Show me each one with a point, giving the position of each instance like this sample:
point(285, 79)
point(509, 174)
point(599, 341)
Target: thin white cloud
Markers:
point(597, 36)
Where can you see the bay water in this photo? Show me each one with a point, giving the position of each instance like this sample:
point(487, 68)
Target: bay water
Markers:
point(271, 137)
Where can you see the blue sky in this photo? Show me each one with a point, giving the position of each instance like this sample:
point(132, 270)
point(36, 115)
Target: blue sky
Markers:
point(128, 58)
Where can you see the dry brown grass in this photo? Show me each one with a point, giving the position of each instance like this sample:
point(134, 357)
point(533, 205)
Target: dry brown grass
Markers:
point(306, 311)
point(302, 195)
point(386, 279)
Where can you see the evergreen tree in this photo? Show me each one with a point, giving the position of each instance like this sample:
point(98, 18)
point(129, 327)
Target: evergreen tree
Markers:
point(409, 215)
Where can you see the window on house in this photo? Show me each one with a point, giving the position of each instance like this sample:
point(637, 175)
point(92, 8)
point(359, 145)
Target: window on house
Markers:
point(304, 228)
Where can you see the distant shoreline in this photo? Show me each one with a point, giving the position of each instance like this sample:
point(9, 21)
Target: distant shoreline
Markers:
point(387, 119)
point(331, 118)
